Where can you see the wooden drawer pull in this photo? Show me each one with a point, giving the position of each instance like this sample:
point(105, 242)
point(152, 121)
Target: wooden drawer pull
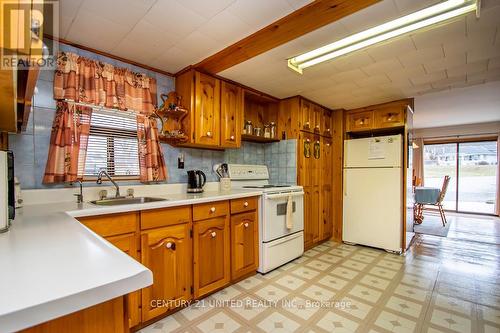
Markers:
point(213, 234)
point(212, 209)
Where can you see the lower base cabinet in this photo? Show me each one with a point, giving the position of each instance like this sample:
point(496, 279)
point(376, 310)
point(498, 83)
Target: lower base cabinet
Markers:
point(166, 252)
point(211, 255)
point(192, 251)
point(128, 244)
point(244, 244)
point(105, 317)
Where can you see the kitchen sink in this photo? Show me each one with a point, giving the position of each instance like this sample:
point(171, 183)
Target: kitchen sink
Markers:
point(125, 201)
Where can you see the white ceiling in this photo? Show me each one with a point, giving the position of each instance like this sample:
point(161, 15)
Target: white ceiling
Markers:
point(167, 34)
point(461, 53)
point(476, 104)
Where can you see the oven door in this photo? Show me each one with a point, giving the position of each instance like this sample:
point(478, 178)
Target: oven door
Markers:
point(274, 215)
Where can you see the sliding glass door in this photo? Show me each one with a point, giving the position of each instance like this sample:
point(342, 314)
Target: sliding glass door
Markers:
point(477, 176)
point(440, 160)
point(473, 169)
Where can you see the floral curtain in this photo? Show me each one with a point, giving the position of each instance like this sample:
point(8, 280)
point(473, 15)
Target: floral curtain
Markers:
point(68, 143)
point(151, 160)
point(92, 82)
point(82, 80)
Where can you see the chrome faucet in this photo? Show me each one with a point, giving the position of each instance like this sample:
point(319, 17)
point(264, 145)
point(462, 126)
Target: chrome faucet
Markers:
point(105, 173)
point(79, 196)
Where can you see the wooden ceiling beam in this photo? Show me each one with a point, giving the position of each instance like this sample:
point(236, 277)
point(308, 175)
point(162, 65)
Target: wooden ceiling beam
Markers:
point(302, 21)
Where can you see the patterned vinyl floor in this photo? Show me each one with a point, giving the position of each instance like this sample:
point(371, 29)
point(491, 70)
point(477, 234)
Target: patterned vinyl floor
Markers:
point(340, 288)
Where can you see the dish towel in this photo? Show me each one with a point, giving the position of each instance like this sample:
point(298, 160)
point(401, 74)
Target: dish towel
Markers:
point(289, 211)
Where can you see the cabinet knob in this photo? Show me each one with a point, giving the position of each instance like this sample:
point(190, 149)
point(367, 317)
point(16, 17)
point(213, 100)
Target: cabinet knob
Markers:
point(362, 121)
point(170, 245)
point(317, 142)
point(307, 124)
point(213, 234)
point(328, 145)
point(328, 130)
point(317, 127)
point(209, 134)
point(231, 138)
point(245, 204)
point(307, 140)
point(389, 116)
point(212, 209)
point(246, 225)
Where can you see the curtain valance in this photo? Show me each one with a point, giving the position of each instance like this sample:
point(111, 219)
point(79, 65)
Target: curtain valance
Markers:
point(90, 81)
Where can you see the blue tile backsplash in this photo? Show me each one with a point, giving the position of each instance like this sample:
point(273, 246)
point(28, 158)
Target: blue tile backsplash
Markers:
point(31, 147)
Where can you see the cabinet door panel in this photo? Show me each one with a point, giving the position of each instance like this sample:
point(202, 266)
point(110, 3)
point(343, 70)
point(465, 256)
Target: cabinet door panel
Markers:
point(326, 123)
point(389, 117)
point(311, 215)
point(211, 255)
point(360, 121)
point(167, 253)
point(128, 244)
point(306, 115)
point(326, 212)
point(231, 115)
point(244, 244)
point(207, 110)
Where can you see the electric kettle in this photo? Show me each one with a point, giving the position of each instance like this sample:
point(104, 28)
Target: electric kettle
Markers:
point(196, 181)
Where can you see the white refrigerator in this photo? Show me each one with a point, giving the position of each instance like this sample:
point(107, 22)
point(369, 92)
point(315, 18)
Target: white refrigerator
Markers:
point(373, 192)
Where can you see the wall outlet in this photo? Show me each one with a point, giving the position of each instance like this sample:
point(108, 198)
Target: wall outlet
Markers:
point(180, 161)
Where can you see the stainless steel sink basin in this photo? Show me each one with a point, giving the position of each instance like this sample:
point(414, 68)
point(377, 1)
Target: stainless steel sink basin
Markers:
point(125, 201)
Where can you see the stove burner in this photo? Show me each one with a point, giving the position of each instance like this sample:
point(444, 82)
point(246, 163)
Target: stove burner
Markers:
point(265, 186)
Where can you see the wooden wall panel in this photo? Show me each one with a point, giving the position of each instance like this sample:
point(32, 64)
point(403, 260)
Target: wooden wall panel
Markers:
point(337, 172)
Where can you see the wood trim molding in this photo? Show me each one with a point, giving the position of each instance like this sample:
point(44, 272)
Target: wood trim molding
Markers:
point(109, 55)
point(302, 21)
point(477, 138)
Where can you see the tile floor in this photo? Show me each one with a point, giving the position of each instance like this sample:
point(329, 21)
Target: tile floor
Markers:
point(340, 288)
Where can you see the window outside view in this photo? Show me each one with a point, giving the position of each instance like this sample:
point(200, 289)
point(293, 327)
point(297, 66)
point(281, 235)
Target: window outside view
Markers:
point(477, 174)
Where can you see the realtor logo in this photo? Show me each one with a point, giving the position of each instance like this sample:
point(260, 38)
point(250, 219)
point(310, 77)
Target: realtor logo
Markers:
point(24, 24)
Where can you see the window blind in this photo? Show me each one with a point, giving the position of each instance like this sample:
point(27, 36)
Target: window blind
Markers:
point(112, 144)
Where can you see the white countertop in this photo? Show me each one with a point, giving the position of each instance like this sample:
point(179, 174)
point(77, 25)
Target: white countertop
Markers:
point(51, 265)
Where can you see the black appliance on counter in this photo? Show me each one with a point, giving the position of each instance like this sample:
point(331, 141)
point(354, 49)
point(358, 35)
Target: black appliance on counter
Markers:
point(196, 181)
point(7, 195)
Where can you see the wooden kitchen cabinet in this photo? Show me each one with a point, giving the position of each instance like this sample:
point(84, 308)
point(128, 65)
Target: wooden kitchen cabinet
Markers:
point(128, 243)
point(378, 117)
point(326, 196)
point(326, 123)
point(231, 110)
point(166, 252)
point(359, 121)
point(244, 244)
point(207, 110)
point(389, 117)
point(120, 230)
point(211, 255)
point(307, 121)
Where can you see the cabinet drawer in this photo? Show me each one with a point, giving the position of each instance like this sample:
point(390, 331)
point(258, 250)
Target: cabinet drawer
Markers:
point(243, 205)
point(155, 218)
point(360, 121)
point(112, 224)
point(385, 118)
point(209, 210)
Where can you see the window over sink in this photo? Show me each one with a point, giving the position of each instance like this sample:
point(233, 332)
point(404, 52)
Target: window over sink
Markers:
point(112, 145)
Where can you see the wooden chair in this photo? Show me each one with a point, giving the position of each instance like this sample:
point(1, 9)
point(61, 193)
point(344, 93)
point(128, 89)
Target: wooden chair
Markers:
point(440, 199)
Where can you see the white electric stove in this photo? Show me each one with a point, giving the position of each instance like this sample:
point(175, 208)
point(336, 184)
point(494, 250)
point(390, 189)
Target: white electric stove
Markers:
point(278, 244)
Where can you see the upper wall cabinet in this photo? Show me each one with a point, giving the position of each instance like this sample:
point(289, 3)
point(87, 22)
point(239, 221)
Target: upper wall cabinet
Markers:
point(300, 114)
point(231, 115)
point(378, 117)
point(207, 110)
point(215, 110)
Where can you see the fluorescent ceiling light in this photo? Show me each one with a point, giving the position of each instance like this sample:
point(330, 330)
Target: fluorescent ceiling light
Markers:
point(403, 25)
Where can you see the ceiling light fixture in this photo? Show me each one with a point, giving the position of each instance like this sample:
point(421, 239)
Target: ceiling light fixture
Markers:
point(423, 18)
